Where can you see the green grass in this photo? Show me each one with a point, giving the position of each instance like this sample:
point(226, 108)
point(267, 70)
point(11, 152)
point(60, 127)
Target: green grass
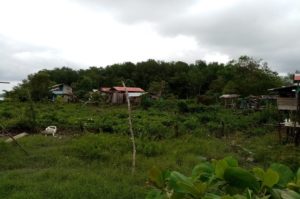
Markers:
point(88, 166)
point(99, 165)
point(95, 161)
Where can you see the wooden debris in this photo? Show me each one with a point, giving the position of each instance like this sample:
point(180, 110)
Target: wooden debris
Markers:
point(11, 139)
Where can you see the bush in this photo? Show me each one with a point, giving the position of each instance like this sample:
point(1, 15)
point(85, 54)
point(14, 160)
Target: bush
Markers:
point(146, 102)
point(190, 124)
point(6, 114)
point(149, 148)
point(157, 130)
point(182, 107)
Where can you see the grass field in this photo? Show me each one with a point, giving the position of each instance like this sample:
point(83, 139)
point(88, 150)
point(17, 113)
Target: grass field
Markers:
point(91, 157)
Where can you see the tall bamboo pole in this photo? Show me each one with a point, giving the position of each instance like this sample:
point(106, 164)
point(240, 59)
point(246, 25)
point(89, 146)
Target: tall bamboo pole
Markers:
point(130, 129)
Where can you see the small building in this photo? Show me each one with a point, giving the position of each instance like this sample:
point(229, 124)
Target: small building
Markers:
point(286, 97)
point(62, 90)
point(288, 103)
point(230, 100)
point(118, 94)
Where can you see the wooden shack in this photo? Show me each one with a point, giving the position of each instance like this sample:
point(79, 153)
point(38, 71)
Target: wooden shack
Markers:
point(118, 94)
point(288, 103)
point(230, 100)
point(62, 90)
point(286, 97)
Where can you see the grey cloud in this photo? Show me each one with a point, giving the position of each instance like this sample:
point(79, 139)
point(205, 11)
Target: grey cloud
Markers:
point(133, 11)
point(16, 68)
point(267, 29)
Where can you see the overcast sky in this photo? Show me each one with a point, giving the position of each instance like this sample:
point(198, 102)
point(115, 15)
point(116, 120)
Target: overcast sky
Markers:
point(37, 34)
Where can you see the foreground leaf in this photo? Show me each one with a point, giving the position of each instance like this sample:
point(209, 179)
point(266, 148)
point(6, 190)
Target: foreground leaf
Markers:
point(286, 175)
point(241, 178)
point(270, 178)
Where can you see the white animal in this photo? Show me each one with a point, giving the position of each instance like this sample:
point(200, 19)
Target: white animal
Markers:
point(50, 130)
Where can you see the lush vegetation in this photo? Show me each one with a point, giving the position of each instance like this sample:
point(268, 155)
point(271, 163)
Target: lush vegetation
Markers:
point(225, 179)
point(245, 76)
point(91, 157)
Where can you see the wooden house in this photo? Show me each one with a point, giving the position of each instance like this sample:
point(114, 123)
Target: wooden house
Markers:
point(118, 94)
point(288, 102)
point(286, 97)
point(63, 91)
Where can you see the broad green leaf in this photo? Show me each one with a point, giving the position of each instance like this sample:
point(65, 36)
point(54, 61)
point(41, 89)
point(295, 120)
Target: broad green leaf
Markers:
point(275, 193)
point(156, 177)
point(203, 171)
point(259, 173)
point(221, 166)
point(285, 173)
point(293, 186)
point(288, 194)
point(241, 178)
point(270, 178)
point(182, 184)
point(231, 161)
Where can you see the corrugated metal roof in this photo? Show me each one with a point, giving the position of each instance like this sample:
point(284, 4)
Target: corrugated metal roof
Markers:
point(229, 96)
point(135, 94)
point(297, 77)
point(104, 89)
point(129, 89)
point(287, 88)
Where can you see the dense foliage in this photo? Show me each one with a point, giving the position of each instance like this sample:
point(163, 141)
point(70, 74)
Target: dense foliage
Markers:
point(163, 119)
point(91, 155)
point(245, 76)
point(224, 179)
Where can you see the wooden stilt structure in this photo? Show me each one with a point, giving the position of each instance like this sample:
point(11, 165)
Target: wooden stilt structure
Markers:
point(289, 100)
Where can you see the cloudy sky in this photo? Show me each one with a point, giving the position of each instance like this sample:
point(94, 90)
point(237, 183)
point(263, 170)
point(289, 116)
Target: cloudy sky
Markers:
point(37, 34)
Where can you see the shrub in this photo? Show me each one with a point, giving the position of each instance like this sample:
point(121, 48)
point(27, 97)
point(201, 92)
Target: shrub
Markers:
point(146, 102)
point(182, 107)
point(157, 130)
point(6, 114)
point(225, 179)
point(149, 148)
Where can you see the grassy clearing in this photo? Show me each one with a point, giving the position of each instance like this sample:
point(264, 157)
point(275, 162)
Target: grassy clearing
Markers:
point(86, 166)
point(98, 166)
point(91, 158)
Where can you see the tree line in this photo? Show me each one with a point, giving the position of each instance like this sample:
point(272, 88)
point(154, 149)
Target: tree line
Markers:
point(244, 76)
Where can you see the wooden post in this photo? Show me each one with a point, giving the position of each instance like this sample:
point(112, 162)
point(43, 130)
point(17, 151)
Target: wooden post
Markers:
point(297, 120)
point(131, 129)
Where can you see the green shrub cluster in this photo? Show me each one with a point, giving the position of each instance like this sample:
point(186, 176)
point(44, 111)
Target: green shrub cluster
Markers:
point(225, 179)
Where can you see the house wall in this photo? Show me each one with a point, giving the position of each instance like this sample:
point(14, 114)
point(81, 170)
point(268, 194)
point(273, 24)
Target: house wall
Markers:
point(285, 103)
point(67, 89)
point(117, 98)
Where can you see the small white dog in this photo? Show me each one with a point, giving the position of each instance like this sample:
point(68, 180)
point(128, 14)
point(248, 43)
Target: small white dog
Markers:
point(50, 130)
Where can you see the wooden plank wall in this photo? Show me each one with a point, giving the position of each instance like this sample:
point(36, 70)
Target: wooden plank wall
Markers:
point(285, 103)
